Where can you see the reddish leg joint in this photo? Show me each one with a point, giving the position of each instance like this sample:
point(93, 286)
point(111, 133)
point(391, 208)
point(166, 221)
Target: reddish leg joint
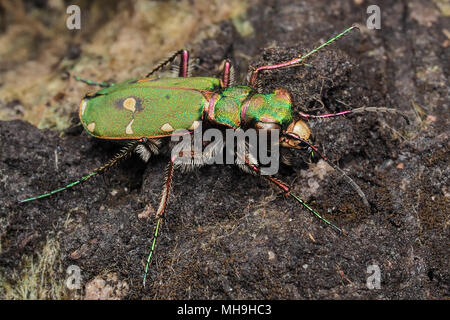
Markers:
point(271, 67)
point(279, 184)
point(184, 64)
point(226, 74)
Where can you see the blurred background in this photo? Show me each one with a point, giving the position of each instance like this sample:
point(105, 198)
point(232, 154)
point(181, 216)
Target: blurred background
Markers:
point(117, 40)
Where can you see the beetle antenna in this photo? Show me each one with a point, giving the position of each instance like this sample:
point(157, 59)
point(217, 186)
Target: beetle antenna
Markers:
point(346, 177)
point(152, 249)
point(125, 153)
point(288, 192)
point(357, 110)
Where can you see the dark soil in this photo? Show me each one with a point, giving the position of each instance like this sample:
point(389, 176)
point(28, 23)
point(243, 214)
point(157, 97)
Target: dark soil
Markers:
point(229, 234)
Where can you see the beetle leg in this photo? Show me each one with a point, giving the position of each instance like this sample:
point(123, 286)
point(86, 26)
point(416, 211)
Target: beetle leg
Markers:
point(192, 159)
point(125, 153)
point(93, 83)
point(196, 159)
point(160, 213)
point(335, 167)
point(294, 62)
point(287, 190)
point(184, 63)
point(166, 189)
point(250, 165)
point(227, 75)
point(147, 148)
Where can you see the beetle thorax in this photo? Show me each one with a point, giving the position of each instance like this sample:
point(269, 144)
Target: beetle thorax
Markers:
point(240, 106)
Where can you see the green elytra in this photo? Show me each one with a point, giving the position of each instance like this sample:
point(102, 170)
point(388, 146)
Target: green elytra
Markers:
point(139, 110)
point(156, 108)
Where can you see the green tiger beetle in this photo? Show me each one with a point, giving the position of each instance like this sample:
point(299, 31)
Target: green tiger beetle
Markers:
point(145, 112)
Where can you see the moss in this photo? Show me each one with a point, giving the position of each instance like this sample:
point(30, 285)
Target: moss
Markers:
point(39, 277)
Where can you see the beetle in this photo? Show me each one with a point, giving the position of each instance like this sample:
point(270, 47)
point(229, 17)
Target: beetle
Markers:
point(146, 112)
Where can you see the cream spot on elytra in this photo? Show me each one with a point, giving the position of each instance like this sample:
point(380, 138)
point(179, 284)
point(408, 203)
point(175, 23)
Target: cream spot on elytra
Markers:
point(194, 125)
point(128, 129)
point(91, 126)
point(167, 127)
point(83, 106)
point(130, 104)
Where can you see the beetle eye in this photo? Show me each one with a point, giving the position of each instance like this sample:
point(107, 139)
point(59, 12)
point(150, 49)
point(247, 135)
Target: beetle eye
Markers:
point(300, 128)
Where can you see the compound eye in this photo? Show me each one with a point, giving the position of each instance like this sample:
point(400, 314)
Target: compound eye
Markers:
point(301, 129)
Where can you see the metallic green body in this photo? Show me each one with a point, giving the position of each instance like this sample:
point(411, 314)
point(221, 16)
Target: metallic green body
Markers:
point(156, 108)
point(273, 107)
point(241, 106)
point(228, 106)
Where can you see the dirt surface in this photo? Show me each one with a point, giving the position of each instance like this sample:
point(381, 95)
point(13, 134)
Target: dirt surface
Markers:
point(229, 234)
